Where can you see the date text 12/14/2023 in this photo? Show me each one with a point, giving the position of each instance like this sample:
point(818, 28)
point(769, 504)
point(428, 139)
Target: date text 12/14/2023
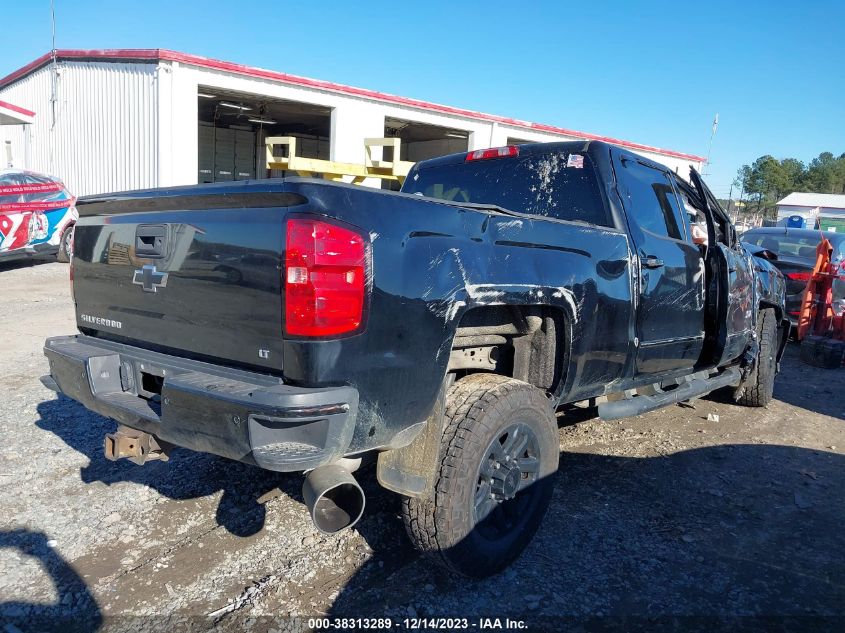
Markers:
point(417, 624)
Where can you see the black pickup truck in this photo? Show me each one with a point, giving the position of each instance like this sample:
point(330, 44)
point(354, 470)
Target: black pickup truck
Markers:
point(300, 325)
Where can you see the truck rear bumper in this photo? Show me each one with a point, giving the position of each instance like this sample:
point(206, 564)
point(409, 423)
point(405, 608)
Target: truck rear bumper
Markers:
point(250, 417)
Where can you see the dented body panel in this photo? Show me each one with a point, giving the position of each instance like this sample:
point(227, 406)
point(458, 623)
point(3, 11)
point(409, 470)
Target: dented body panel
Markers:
point(452, 261)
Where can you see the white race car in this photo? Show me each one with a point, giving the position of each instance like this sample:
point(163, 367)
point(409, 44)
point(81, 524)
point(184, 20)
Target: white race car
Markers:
point(37, 215)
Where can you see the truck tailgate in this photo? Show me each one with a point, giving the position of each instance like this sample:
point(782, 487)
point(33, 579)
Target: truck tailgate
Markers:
point(200, 281)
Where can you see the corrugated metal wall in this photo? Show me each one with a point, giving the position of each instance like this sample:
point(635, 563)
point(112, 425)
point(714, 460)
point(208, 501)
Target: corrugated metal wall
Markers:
point(105, 136)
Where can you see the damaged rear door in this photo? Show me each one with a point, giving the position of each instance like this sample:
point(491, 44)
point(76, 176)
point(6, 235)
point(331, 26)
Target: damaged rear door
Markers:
point(670, 313)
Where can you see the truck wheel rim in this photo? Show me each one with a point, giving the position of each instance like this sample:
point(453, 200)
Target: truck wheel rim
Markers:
point(68, 243)
point(504, 490)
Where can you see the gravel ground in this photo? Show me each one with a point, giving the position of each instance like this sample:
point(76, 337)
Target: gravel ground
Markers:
point(666, 515)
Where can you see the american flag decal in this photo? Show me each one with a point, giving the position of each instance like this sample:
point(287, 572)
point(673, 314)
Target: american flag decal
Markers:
point(576, 161)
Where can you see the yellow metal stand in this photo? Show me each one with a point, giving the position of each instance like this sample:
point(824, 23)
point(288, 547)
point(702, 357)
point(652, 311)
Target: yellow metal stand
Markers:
point(373, 167)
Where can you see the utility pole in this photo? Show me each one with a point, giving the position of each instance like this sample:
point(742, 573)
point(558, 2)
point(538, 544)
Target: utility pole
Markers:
point(54, 95)
point(710, 145)
point(54, 81)
point(730, 196)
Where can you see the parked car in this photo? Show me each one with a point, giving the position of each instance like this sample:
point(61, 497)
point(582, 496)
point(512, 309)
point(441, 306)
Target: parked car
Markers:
point(37, 215)
point(796, 257)
point(438, 328)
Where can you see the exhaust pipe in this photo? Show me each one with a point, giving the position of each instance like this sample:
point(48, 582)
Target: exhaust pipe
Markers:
point(335, 500)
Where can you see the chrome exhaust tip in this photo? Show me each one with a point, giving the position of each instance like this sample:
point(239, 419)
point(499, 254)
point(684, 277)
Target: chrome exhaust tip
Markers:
point(334, 499)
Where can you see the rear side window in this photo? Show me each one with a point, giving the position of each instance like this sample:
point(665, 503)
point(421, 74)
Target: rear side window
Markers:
point(11, 179)
point(562, 185)
point(650, 199)
point(39, 180)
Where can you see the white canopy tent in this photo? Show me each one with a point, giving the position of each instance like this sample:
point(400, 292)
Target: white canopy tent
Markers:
point(11, 114)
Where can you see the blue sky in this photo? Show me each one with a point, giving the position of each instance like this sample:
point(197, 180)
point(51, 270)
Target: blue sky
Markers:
point(651, 72)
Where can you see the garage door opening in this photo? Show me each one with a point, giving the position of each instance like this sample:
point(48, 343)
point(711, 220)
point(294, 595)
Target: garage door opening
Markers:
point(421, 141)
point(233, 126)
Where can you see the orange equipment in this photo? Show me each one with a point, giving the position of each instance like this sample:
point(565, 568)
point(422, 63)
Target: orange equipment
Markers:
point(820, 329)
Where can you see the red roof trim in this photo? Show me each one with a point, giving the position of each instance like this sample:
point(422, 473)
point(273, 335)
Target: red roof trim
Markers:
point(14, 108)
point(251, 71)
point(21, 72)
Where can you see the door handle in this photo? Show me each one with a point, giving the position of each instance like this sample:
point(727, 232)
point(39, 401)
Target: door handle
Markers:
point(652, 262)
point(151, 240)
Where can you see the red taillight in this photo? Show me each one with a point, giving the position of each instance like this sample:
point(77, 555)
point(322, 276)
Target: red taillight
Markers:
point(493, 152)
point(325, 278)
point(799, 276)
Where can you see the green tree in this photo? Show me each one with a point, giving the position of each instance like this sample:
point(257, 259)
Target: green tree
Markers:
point(826, 174)
point(768, 179)
point(794, 172)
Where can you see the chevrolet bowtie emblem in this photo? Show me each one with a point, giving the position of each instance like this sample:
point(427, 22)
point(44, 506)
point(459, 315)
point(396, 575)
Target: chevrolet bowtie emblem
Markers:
point(149, 278)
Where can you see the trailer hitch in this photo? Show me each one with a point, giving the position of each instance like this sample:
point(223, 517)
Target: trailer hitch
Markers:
point(136, 446)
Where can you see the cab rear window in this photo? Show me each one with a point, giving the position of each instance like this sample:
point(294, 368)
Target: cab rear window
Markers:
point(561, 185)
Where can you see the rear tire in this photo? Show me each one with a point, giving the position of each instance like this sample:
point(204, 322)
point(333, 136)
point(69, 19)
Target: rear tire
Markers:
point(66, 245)
point(499, 454)
point(757, 389)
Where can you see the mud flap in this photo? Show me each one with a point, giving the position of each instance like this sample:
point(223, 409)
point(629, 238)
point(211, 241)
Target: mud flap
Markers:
point(412, 469)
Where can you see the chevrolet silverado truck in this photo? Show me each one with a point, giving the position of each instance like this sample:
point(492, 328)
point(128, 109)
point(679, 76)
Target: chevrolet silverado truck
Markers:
point(302, 325)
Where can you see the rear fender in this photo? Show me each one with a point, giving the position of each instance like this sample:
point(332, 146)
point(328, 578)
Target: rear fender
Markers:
point(412, 470)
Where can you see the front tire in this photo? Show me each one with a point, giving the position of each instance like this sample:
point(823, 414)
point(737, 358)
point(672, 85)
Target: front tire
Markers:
point(758, 388)
point(499, 454)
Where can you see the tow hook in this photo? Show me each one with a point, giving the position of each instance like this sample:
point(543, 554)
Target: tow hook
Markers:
point(136, 446)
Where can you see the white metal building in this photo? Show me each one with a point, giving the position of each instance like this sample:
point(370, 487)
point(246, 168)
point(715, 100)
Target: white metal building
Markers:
point(111, 120)
point(824, 209)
